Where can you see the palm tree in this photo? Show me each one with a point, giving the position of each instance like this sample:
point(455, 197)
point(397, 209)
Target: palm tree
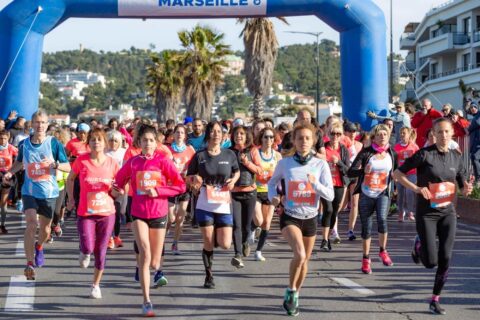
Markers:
point(202, 66)
point(261, 49)
point(165, 83)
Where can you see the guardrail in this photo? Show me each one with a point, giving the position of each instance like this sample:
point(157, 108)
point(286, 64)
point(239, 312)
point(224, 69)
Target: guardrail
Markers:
point(476, 36)
point(455, 71)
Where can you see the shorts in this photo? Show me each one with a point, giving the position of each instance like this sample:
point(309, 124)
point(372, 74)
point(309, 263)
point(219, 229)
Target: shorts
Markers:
point(180, 198)
point(262, 197)
point(219, 220)
point(155, 223)
point(9, 184)
point(307, 226)
point(44, 207)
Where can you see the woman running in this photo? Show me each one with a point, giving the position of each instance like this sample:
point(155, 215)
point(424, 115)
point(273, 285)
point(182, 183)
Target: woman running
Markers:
point(8, 153)
point(244, 195)
point(96, 212)
point(338, 161)
point(269, 159)
point(438, 169)
point(374, 167)
point(306, 179)
point(177, 206)
point(153, 179)
point(213, 172)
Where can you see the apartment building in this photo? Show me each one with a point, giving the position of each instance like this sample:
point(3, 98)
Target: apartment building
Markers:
point(443, 49)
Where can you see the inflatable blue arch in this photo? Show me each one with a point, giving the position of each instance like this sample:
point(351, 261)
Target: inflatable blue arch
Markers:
point(361, 24)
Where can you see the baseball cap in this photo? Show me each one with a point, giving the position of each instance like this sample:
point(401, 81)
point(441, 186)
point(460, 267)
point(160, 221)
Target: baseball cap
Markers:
point(83, 127)
point(237, 122)
point(73, 125)
point(188, 120)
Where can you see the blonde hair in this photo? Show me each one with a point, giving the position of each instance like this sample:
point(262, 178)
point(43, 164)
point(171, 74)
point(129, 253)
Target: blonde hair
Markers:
point(378, 128)
point(335, 125)
point(411, 132)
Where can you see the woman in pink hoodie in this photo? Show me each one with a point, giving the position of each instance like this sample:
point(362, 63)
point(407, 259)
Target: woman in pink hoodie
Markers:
point(154, 179)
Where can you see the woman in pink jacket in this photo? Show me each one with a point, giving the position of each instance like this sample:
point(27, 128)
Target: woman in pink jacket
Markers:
point(154, 179)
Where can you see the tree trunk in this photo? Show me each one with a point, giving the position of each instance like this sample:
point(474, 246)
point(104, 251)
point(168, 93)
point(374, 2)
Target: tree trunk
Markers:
point(258, 106)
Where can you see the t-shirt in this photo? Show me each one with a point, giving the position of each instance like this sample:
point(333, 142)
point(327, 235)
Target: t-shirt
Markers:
point(334, 169)
point(95, 183)
point(7, 155)
point(196, 142)
point(437, 171)
point(214, 170)
point(77, 148)
point(182, 159)
point(405, 152)
point(376, 181)
point(118, 155)
point(58, 151)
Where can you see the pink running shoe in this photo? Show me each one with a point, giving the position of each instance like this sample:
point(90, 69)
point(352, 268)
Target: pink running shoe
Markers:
point(385, 258)
point(366, 268)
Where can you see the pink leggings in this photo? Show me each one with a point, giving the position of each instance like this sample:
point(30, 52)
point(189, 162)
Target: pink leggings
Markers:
point(94, 233)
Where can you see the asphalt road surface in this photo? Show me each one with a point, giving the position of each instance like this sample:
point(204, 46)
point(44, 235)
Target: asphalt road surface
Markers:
point(334, 289)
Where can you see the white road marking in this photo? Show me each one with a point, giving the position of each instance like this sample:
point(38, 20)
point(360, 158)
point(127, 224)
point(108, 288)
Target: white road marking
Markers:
point(21, 294)
point(353, 285)
point(20, 250)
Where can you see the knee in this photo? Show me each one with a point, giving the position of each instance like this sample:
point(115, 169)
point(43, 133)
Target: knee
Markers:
point(301, 257)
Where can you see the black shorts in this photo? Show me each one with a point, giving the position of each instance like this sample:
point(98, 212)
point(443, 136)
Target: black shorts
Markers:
point(180, 198)
point(9, 184)
point(262, 197)
point(44, 207)
point(307, 226)
point(155, 223)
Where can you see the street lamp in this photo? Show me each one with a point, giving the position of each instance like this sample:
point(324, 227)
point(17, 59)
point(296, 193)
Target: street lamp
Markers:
point(317, 62)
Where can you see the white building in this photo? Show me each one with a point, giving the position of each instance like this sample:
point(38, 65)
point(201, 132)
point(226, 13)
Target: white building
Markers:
point(443, 49)
point(235, 65)
point(124, 112)
point(87, 77)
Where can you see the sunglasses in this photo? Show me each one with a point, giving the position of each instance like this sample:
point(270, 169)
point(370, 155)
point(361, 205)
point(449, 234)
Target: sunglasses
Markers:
point(268, 137)
point(338, 134)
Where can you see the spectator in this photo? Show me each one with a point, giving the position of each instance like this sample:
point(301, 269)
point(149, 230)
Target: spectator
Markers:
point(197, 137)
point(17, 128)
point(474, 131)
point(390, 124)
point(410, 110)
point(447, 110)
point(170, 124)
point(460, 124)
point(2, 124)
point(24, 135)
point(399, 117)
point(423, 121)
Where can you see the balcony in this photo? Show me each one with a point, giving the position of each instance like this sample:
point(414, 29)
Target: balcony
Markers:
point(408, 68)
point(407, 41)
point(476, 36)
point(442, 43)
point(455, 71)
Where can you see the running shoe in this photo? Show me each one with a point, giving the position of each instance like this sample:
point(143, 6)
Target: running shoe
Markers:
point(336, 237)
point(58, 231)
point(19, 205)
point(111, 243)
point(436, 309)
point(411, 216)
point(39, 257)
point(237, 262)
point(416, 250)
point(159, 279)
point(400, 217)
point(96, 293)
point(147, 310)
point(385, 258)
point(137, 274)
point(324, 246)
point(366, 266)
point(259, 256)
point(29, 272)
point(350, 235)
point(290, 303)
point(175, 250)
point(209, 284)
point(50, 238)
point(246, 249)
point(3, 229)
point(84, 260)
point(117, 242)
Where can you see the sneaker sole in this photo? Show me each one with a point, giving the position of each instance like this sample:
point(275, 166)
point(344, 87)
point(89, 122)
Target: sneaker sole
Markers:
point(160, 284)
point(367, 271)
point(237, 264)
point(290, 313)
point(30, 274)
point(150, 314)
point(415, 258)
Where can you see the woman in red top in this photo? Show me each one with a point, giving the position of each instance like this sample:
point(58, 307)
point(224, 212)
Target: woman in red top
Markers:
point(96, 211)
point(8, 153)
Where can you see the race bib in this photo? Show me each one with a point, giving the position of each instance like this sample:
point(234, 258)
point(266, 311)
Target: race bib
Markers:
point(147, 180)
point(98, 202)
point(218, 195)
point(376, 181)
point(301, 193)
point(180, 164)
point(266, 175)
point(38, 171)
point(442, 194)
point(5, 163)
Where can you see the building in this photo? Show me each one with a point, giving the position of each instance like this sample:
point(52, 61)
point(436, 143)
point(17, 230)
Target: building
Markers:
point(443, 49)
point(235, 65)
point(124, 112)
point(306, 100)
point(71, 83)
point(60, 119)
point(398, 76)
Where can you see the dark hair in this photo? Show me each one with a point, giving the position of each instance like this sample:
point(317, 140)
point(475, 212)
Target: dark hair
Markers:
point(170, 122)
point(146, 128)
point(113, 120)
point(4, 133)
point(267, 119)
point(209, 129)
point(441, 120)
point(258, 140)
point(181, 126)
point(248, 136)
point(283, 127)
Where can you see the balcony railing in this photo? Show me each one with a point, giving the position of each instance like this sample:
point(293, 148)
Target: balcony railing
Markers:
point(448, 28)
point(455, 71)
point(408, 36)
point(460, 38)
point(410, 65)
point(476, 36)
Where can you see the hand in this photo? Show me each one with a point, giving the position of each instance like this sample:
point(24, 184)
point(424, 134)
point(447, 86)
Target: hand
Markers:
point(230, 184)
point(7, 177)
point(320, 156)
point(12, 115)
point(311, 178)
point(195, 183)
point(368, 169)
point(70, 204)
point(424, 192)
point(335, 159)
point(371, 114)
point(276, 201)
point(117, 191)
point(468, 187)
point(243, 158)
point(152, 193)
point(51, 164)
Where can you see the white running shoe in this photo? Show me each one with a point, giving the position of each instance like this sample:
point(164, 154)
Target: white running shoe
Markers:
point(84, 260)
point(96, 293)
point(259, 256)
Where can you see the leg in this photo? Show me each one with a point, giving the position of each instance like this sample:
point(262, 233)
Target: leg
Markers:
point(86, 234)
point(401, 201)
point(3, 205)
point(382, 205)
point(427, 232)
point(157, 239)
point(352, 218)
point(366, 207)
point(446, 237)
point(180, 218)
point(103, 230)
point(258, 218)
point(118, 219)
point(141, 232)
point(237, 224)
point(267, 212)
point(326, 218)
point(294, 237)
point(308, 243)
point(30, 233)
point(45, 229)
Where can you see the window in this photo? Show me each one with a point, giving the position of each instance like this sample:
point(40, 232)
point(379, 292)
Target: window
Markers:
point(434, 70)
point(478, 59)
point(466, 61)
point(467, 26)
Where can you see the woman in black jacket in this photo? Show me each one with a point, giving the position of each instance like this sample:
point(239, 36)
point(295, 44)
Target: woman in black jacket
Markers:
point(374, 167)
point(338, 160)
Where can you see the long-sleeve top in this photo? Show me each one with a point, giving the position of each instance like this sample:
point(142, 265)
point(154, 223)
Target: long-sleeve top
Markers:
point(474, 132)
point(302, 198)
point(424, 122)
point(144, 173)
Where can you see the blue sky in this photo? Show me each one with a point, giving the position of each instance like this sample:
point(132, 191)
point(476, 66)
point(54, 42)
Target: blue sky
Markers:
point(118, 34)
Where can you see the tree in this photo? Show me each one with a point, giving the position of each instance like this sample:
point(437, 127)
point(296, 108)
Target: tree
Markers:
point(202, 66)
point(261, 49)
point(165, 83)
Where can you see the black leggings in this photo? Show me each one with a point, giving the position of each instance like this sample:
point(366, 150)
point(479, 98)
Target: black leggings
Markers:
point(118, 218)
point(330, 208)
point(243, 205)
point(430, 226)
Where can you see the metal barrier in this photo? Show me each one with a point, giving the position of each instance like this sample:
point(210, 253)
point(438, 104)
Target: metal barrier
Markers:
point(464, 143)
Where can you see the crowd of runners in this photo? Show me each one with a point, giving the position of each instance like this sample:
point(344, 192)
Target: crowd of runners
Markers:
point(230, 178)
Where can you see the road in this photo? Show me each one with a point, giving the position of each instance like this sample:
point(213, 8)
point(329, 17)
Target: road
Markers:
point(334, 289)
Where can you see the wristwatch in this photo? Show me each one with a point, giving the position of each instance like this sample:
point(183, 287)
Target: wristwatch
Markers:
point(56, 165)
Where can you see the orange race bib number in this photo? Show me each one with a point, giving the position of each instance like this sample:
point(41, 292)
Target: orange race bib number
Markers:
point(98, 202)
point(147, 180)
point(218, 195)
point(376, 181)
point(301, 193)
point(404, 155)
point(5, 163)
point(442, 194)
point(38, 171)
point(265, 176)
